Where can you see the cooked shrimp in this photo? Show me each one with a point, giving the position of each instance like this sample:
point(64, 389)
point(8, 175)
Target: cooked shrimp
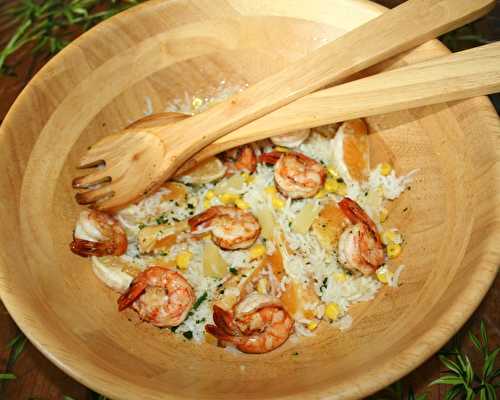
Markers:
point(240, 159)
point(231, 227)
point(292, 139)
point(360, 246)
point(296, 175)
point(160, 296)
point(98, 234)
point(258, 324)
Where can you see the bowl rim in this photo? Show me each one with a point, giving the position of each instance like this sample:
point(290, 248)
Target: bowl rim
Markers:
point(423, 346)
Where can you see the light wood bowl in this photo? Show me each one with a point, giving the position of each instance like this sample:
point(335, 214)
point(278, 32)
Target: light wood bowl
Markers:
point(164, 49)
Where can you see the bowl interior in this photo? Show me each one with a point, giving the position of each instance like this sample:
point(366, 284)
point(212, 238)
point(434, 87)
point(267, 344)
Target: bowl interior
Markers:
point(148, 59)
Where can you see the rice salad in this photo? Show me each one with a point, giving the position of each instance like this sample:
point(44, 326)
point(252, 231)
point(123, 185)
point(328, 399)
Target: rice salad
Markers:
point(256, 245)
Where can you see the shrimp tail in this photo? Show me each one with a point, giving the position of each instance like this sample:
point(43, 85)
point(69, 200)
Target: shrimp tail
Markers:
point(247, 160)
point(87, 248)
point(136, 288)
point(203, 217)
point(224, 321)
point(271, 157)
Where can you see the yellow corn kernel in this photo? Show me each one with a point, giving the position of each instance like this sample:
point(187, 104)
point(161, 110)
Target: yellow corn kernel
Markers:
point(332, 311)
point(383, 274)
point(312, 325)
point(207, 203)
point(393, 250)
point(383, 215)
point(322, 193)
point(340, 276)
point(242, 204)
point(209, 195)
point(380, 190)
point(262, 286)
point(182, 259)
point(278, 203)
point(228, 198)
point(385, 169)
point(247, 177)
point(281, 149)
point(257, 251)
point(342, 189)
point(331, 185)
point(391, 236)
point(270, 190)
point(333, 172)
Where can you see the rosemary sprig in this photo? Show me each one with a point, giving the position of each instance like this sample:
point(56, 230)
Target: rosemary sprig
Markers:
point(47, 26)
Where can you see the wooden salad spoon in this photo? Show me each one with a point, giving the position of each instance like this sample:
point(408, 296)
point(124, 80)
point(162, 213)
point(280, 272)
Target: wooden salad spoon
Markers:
point(138, 161)
point(457, 76)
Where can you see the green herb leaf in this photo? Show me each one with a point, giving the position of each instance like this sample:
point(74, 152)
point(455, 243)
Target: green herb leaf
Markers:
point(7, 376)
point(234, 271)
point(489, 363)
point(199, 301)
point(484, 336)
point(454, 392)
point(448, 363)
point(490, 392)
point(188, 335)
point(475, 341)
point(448, 380)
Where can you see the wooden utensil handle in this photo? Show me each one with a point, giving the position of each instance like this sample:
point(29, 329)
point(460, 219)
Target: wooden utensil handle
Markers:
point(457, 76)
point(399, 29)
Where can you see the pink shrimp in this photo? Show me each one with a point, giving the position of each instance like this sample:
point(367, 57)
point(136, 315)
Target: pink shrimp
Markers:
point(296, 175)
point(258, 324)
point(114, 242)
point(160, 296)
point(360, 246)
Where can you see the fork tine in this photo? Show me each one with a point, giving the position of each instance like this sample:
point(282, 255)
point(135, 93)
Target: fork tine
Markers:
point(94, 195)
point(97, 177)
point(96, 154)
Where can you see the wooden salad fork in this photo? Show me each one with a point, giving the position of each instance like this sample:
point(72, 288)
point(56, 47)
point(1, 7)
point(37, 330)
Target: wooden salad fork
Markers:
point(137, 162)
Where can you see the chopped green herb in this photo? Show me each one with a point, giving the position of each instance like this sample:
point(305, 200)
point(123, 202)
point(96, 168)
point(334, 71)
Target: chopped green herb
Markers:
point(163, 254)
point(162, 219)
point(190, 206)
point(174, 328)
point(200, 300)
point(188, 335)
point(323, 285)
point(234, 271)
point(141, 226)
point(340, 180)
point(199, 321)
point(295, 354)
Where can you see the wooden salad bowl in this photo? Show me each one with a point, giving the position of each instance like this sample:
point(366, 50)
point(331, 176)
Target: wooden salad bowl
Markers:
point(166, 50)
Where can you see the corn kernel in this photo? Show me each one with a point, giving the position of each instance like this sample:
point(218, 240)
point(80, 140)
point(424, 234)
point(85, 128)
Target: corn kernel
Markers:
point(383, 215)
point(322, 193)
point(380, 190)
point(391, 236)
point(385, 169)
point(340, 276)
point(262, 286)
point(247, 177)
point(333, 172)
point(257, 251)
point(183, 258)
point(209, 195)
point(242, 204)
point(342, 189)
point(228, 198)
point(332, 311)
point(281, 149)
point(312, 325)
point(383, 274)
point(393, 250)
point(207, 203)
point(278, 203)
point(331, 185)
point(270, 190)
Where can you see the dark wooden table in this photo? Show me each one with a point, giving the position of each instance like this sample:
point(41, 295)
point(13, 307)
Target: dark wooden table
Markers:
point(38, 379)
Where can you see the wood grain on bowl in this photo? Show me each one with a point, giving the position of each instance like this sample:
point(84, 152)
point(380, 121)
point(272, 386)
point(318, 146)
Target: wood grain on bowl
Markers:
point(163, 50)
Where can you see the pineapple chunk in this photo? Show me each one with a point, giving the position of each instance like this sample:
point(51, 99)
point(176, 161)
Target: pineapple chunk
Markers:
point(329, 225)
point(305, 218)
point(159, 237)
point(213, 264)
point(266, 221)
point(300, 300)
point(176, 192)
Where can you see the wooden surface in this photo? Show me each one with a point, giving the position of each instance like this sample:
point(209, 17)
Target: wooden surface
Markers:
point(41, 380)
